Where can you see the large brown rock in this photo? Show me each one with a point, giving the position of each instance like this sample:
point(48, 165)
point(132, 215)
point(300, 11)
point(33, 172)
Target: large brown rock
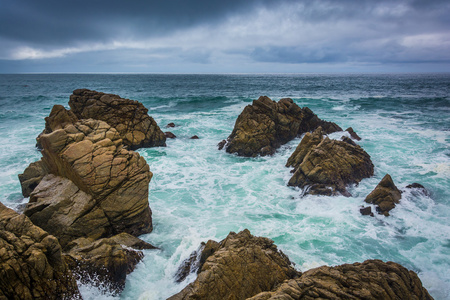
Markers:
point(31, 262)
point(106, 191)
point(265, 125)
point(32, 176)
point(136, 128)
point(372, 279)
point(240, 267)
point(385, 195)
point(323, 166)
point(105, 262)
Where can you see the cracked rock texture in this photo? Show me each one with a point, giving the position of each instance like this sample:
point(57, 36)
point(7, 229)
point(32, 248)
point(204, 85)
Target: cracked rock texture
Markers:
point(241, 266)
point(96, 188)
point(385, 195)
point(265, 125)
point(372, 279)
point(130, 118)
point(323, 166)
point(31, 262)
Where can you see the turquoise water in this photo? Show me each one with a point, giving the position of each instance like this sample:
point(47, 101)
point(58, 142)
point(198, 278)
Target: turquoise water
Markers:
point(199, 193)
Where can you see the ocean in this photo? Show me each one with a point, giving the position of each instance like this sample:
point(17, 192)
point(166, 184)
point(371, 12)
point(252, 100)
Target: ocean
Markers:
point(199, 193)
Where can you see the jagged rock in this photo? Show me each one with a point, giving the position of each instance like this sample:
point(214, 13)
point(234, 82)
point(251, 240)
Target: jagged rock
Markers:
point(169, 135)
point(31, 264)
point(221, 144)
point(128, 117)
point(353, 134)
point(325, 167)
point(108, 189)
point(31, 177)
point(372, 279)
point(196, 260)
point(385, 195)
point(265, 125)
point(242, 266)
point(105, 262)
point(366, 211)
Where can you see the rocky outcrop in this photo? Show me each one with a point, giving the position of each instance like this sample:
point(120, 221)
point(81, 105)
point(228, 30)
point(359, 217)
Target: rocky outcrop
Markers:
point(323, 166)
point(135, 127)
point(32, 176)
point(241, 266)
point(106, 261)
point(31, 262)
point(372, 279)
point(353, 134)
point(265, 125)
point(96, 187)
point(385, 195)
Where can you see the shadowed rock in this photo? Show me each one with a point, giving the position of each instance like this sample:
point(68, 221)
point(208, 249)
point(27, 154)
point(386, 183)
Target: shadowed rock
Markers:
point(169, 135)
point(242, 266)
point(31, 262)
point(372, 279)
point(385, 195)
point(353, 134)
point(32, 176)
point(97, 188)
point(136, 128)
point(326, 167)
point(265, 125)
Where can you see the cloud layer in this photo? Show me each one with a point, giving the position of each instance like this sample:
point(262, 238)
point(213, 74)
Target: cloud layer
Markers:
point(224, 36)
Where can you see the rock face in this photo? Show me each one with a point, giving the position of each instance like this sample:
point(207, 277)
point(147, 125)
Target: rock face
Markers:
point(31, 262)
point(101, 184)
point(105, 261)
point(136, 128)
point(372, 279)
point(265, 125)
point(325, 167)
point(241, 266)
point(385, 195)
point(31, 177)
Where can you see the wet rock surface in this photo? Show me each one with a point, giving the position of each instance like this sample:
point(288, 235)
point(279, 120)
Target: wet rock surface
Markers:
point(385, 195)
point(241, 266)
point(372, 279)
point(31, 261)
point(265, 125)
point(136, 128)
point(323, 166)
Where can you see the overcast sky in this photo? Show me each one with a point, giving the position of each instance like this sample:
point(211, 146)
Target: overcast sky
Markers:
point(227, 36)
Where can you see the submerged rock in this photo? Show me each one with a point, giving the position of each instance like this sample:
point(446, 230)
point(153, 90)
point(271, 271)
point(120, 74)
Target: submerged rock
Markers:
point(418, 189)
point(97, 188)
point(325, 167)
point(169, 135)
point(265, 125)
point(372, 279)
point(241, 266)
point(385, 195)
point(136, 128)
point(31, 262)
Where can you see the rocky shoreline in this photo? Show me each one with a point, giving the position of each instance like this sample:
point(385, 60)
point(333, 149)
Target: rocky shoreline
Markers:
point(89, 203)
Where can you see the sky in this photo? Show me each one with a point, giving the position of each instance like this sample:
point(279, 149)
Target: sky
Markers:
point(251, 36)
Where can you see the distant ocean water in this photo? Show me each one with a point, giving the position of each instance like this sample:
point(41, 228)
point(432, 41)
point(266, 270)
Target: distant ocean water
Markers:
point(199, 193)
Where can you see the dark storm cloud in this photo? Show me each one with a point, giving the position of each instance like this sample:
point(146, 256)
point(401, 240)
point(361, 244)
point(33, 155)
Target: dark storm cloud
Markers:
point(145, 35)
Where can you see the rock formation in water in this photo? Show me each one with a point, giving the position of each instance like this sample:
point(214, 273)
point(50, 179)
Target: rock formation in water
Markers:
point(265, 125)
point(31, 261)
point(353, 134)
point(372, 279)
point(385, 195)
point(323, 166)
point(136, 128)
point(241, 266)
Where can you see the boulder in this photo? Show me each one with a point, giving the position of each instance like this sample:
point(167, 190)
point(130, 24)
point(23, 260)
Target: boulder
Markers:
point(97, 187)
point(418, 189)
point(194, 137)
point(265, 125)
point(31, 261)
point(130, 118)
point(170, 125)
point(372, 279)
point(366, 211)
point(323, 166)
point(105, 262)
point(385, 195)
point(241, 266)
point(32, 176)
point(169, 135)
point(353, 134)
point(221, 144)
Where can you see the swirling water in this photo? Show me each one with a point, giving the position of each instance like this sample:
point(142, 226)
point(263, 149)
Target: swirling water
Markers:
point(199, 193)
